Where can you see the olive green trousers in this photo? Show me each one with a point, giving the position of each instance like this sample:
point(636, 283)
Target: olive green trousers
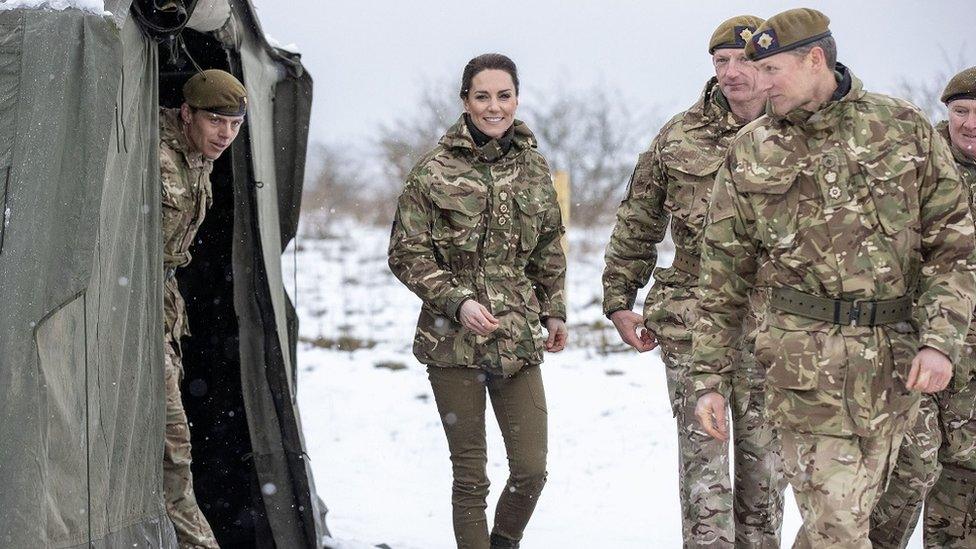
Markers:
point(519, 403)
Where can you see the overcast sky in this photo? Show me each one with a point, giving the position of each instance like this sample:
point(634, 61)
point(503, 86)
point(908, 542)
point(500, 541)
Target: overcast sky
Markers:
point(370, 59)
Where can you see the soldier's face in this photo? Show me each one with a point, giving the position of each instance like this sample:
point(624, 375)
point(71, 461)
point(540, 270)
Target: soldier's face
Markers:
point(209, 133)
point(787, 80)
point(491, 102)
point(962, 125)
point(736, 75)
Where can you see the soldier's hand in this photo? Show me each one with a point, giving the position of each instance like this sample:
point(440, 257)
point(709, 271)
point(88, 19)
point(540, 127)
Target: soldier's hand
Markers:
point(710, 411)
point(630, 326)
point(931, 371)
point(477, 318)
point(558, 335)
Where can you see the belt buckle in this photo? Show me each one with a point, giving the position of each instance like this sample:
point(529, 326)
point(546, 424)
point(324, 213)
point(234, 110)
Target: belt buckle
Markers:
point(855, 311)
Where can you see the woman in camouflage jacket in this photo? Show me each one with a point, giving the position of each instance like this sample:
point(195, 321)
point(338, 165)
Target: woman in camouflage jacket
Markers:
point(477, 237)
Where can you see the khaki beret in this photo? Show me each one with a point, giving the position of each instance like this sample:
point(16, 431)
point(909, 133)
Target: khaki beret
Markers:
point(734, 33)
point(786, 31)
point(216, 91)
point(962, 86)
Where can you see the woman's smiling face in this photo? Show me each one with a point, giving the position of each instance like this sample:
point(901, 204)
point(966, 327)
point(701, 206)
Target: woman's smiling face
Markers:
point(491, 102)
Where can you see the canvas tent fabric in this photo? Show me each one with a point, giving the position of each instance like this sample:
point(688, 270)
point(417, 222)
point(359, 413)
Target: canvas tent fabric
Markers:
point(81, 382)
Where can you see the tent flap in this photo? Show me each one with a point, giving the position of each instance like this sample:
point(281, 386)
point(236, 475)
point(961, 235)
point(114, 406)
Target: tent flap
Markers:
point(81, 408)
point(56, 101)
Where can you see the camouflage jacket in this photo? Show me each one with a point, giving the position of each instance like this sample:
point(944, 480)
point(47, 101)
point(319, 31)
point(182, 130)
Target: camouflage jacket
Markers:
point(187, 194)
point(467, 227)
point(672, 182)
point(859, 200)
point(966, 368)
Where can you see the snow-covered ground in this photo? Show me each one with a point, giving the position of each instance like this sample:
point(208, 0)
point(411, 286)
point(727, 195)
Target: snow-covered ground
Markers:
point(379, 454)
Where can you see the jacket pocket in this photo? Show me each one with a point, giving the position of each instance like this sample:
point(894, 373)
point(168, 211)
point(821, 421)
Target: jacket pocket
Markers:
point(791, 358)
point(670, 312)
point(892, 178)
point(902, 339)
point(775, 199)
point(440, 340)
point(460, 214)
point(690, 187)
point(530, 207)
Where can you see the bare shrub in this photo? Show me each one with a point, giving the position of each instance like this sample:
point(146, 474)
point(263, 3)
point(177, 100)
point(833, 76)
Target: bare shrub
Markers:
point(925, 90)
point(595, 136)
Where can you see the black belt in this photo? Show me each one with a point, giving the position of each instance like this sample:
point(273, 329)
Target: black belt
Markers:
point(842, 311)
point(686, 262)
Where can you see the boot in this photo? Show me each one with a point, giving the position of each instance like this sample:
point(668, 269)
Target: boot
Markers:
point(501, 542)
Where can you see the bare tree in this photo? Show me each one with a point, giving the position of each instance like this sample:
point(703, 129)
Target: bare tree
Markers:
point(595, 136)
point(403, 141)
point(335, 190)
point(925, 91)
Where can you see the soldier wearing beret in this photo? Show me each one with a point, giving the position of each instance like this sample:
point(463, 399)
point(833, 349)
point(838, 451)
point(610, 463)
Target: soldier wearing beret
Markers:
point(848, 206)
point(671, 186)
point(938, 456)
point(191, 138)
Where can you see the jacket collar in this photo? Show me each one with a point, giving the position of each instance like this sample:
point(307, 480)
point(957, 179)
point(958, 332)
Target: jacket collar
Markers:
point(459, 137)
point(826, 116)
point(711, 107)
point(961, 157)
point(171, 132)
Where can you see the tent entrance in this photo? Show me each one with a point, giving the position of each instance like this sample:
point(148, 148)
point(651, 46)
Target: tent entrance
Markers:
point(225, 479)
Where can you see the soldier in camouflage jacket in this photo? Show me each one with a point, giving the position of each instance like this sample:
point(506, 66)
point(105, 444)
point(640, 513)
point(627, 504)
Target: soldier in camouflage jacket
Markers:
point(477, 237)
point(670, 187)
point(938, 456)
point(848, 206)
point(191, 138)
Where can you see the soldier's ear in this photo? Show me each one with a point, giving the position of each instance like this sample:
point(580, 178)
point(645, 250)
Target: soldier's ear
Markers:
point(185, 115)
point(817, 57)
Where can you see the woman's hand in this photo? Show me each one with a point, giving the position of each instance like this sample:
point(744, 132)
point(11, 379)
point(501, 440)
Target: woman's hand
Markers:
point(558, 334)
point(477, 318)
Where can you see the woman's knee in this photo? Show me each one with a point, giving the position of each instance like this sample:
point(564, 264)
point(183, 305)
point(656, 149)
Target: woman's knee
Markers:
point(528, 475)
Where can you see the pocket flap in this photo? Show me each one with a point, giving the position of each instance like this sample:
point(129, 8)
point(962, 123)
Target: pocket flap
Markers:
point(752, 177)
point(700, 166)
point(889, 164)
point(459, 198)
point(530, 203)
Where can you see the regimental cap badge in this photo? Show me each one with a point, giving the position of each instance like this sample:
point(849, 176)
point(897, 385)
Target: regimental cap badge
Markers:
point(766, 40)
point(734, 33)
point(787, 31)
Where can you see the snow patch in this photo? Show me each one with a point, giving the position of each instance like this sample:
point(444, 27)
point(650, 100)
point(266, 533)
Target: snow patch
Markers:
point(90, 6)
point(612, 440)
point(291, 48)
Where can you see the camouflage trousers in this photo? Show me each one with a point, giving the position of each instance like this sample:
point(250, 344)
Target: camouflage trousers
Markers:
point(837, 482)
point(716, 510)
point(937, 460)
point(192, 528)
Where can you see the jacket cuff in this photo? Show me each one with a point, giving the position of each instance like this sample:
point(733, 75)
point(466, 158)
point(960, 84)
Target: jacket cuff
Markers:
point(553, 310)
point(453, 303)
point(949, 348)
point(711, 383)
point(614, 304)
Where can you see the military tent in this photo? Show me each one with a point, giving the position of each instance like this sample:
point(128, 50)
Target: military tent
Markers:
point(81, 382)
